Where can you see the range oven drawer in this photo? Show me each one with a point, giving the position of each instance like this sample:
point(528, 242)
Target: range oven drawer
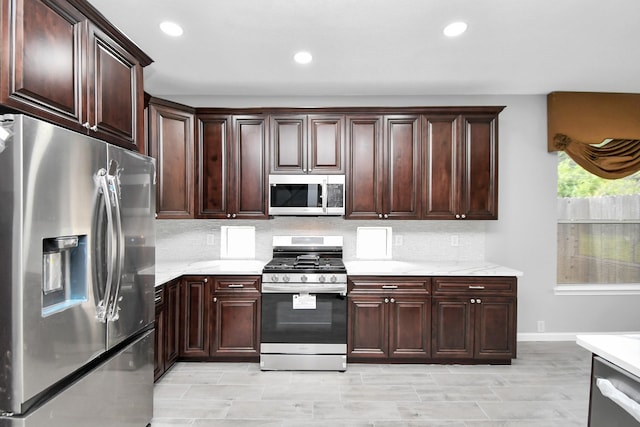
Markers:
point(615, 396)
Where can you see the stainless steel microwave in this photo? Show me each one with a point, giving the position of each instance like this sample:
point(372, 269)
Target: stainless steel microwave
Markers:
point(306, 194)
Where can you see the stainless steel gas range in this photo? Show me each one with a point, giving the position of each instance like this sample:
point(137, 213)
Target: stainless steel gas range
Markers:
point(304, 305)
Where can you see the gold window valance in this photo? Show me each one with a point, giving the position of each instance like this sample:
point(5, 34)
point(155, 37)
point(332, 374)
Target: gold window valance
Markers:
point(599, 131)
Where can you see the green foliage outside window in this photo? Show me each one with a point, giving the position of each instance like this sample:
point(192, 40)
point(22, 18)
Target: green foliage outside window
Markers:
point(574, 181)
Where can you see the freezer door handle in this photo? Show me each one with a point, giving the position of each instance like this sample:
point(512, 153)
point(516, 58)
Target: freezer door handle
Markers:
point(103, 305)
point(115, 191)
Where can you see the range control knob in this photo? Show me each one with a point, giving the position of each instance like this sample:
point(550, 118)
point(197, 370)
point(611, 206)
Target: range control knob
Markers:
point(322, 279)
point(285, 278)
point(334, 279)
point(303, 278)
point(274, 278)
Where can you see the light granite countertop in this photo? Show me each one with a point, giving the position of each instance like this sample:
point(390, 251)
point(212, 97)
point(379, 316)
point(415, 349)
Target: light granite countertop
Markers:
point(168, 271)
point(623, 350)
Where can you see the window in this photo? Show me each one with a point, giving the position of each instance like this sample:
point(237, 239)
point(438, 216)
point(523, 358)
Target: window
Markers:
point(598, 228)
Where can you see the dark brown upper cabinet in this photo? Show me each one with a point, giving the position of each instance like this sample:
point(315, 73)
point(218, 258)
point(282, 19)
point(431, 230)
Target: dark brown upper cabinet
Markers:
point(461, 166)
point(306, 144)
point(171, 143)
point(64, 63)
point(232, 164)
point(384, 173)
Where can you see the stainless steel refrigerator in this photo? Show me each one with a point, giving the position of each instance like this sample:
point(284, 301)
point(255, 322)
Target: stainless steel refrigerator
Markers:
point(77, 263)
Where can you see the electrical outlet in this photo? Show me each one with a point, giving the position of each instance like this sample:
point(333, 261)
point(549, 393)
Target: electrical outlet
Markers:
point(398, 240)
point(540, 325)
point(454, 240)
point(211, 239)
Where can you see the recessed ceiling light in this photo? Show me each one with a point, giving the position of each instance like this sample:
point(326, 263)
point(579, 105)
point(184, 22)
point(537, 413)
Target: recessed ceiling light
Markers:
point(302, 57)
point(455, 29)
point(171, 28)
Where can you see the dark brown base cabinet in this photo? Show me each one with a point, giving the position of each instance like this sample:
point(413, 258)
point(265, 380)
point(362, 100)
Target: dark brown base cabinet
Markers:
point(220, 318)
point(389, 319)
point(474, 319)
point(432, 320)
point(167, 327)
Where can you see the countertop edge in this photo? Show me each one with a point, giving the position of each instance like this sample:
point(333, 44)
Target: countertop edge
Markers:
point(619, 349)
point(167, 272)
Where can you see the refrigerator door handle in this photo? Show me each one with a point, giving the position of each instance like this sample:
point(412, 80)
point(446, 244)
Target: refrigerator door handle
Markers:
point(103, 305)
point(114, 187)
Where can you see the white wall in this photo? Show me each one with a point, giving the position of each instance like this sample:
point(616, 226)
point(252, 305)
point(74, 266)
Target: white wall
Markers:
point(524, 236)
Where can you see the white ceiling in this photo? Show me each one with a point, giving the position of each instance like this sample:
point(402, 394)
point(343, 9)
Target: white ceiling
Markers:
point(384, 47)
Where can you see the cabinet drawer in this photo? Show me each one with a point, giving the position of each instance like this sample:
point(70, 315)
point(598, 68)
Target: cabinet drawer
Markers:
point(385, 285)
point(476, 285)
point(237, 283)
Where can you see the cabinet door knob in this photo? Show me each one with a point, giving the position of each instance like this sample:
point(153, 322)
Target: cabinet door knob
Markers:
point(206, 280)
point(386, 300)
point(233, 216)
point(463, 216)
point(86, 125)
point(457, 216)
point(215, 299)
point(478, 301)
point(386, 216)
point(473, 301)
point(94, 128)
point(393, 300)
point(228, 215)
point(380, 216)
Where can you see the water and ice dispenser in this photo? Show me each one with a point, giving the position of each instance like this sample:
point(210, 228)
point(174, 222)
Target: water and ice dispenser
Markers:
point(64, 272)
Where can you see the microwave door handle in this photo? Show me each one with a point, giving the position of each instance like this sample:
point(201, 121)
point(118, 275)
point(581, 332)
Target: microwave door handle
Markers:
point(102, 308)
point(325, 195)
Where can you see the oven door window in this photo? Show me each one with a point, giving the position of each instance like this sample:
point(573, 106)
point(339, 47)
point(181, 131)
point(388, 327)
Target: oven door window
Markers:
point(296, 195)
point(324, 324)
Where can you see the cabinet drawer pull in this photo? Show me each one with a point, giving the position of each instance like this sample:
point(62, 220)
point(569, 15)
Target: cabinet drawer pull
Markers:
point(476, 287)
point(236, 286)
point(389, 286)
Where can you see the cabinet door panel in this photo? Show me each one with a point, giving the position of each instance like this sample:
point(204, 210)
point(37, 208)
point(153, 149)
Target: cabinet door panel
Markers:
point(409, 327)
point(213, 158)
point(171, 144)
point(326, 150)
point(480, 169)
point(249, 197)
point(439, 135)
point(46, 59)
point(495, 328)
point(364, 187)
point(158, 346)
point(195, 318)
point(403, 175)
point(287, 144)
point(236, 332)
point(112, 88)
point(453, 325)
point(368, 328)
point(172, 322)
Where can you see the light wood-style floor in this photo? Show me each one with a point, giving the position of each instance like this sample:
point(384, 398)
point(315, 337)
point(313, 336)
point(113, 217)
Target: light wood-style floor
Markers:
point(546, 386)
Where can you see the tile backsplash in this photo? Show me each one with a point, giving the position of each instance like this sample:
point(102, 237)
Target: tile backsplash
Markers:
point(199, 240)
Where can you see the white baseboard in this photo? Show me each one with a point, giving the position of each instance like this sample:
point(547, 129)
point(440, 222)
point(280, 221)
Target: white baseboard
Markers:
point(562, 336)
point(546, 336)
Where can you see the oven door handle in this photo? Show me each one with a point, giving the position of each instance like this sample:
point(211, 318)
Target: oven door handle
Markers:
point(271, 288)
